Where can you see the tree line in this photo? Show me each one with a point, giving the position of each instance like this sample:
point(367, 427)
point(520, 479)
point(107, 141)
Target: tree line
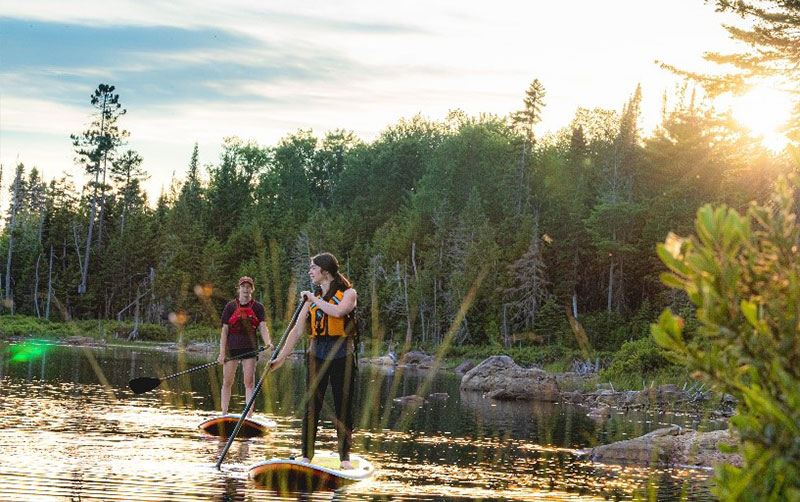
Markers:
point(432, 216)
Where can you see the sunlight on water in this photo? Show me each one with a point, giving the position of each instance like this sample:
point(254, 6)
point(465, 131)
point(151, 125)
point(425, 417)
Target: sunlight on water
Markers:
point(67, 436)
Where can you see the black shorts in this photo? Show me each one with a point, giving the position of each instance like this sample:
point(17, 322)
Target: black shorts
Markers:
point(239, 352)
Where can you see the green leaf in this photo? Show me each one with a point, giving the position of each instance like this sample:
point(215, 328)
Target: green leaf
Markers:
point(750, 311)
point(672, 280)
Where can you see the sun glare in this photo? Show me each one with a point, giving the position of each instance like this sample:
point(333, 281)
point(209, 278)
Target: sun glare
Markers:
point(763, 110)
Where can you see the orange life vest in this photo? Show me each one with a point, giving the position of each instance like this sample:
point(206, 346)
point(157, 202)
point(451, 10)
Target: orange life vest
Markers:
point(323, 324)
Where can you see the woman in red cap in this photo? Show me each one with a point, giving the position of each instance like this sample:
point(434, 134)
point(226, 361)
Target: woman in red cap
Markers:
point(241, 318)
point(328, 317)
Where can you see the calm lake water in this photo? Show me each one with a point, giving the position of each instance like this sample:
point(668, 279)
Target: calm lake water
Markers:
point(73, 431)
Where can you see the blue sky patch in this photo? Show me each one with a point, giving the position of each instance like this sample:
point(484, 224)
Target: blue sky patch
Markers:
point(200, 64)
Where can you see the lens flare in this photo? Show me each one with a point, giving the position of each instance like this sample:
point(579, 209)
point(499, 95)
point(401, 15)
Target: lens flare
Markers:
point(764, 110)
point(25, 352)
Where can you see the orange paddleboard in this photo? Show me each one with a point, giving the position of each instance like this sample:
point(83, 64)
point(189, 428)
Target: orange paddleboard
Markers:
point(223, 426)
point(322, 473)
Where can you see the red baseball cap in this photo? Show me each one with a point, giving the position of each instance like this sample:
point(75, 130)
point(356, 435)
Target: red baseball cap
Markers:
point(244, 279)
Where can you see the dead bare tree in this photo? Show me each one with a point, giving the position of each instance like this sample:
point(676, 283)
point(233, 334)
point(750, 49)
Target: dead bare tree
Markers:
point(9, 297)
point(529, 285)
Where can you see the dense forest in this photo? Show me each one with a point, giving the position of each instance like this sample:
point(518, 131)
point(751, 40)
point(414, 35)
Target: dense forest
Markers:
point(531, 234)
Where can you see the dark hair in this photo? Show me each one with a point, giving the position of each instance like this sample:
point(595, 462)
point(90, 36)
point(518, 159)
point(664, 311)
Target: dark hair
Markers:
point(329, 263)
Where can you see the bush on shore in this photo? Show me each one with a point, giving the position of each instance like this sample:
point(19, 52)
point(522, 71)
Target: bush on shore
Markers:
point(20, 326)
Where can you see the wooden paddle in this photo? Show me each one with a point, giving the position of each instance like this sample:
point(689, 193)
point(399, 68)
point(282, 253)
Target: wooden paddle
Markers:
point(143, 384)
point(260, 383)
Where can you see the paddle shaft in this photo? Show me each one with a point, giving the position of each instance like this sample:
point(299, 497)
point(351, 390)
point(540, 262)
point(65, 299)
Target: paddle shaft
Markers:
point(260, 383)
point(213, 363)
point(143, 384)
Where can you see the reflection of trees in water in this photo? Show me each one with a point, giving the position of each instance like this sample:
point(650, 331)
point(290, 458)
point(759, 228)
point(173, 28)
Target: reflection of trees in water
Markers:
point(231, 490)
point(542, 422)
point(76, 485)
point(238, 453)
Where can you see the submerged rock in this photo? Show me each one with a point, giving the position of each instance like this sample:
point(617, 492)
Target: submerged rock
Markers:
point(501, 378)
point(412, 400)
point(600, 413)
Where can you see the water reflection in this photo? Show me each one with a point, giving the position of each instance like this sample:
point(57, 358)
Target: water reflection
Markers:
point(73, 431)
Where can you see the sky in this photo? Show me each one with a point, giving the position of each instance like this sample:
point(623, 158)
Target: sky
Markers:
point(196, 72)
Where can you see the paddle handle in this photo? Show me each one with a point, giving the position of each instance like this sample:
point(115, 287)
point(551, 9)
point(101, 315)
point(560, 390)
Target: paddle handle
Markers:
point(260, 383)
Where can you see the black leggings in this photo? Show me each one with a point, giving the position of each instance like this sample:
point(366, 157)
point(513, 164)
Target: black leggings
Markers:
point(341, 373)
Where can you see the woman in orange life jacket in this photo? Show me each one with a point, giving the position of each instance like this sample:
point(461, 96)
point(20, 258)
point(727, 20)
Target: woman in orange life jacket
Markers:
point(241, 318)
point(331, 353)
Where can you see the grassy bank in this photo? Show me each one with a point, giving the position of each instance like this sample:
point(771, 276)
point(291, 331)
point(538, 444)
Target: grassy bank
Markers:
point(19, 326)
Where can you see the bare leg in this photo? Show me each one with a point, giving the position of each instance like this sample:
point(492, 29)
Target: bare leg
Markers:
point(228, 376)
point(249, 374)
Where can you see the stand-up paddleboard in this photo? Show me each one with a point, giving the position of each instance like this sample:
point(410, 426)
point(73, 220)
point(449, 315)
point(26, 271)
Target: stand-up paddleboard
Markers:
point(223, 426)
point(323, 473)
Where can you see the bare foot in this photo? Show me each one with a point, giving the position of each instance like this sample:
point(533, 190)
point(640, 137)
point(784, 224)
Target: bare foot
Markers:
point(346, 464)
point(305, 460)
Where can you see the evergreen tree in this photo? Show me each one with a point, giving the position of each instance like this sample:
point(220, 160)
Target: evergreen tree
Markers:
point(94, 149)
point(127, 173)
point(531, 114)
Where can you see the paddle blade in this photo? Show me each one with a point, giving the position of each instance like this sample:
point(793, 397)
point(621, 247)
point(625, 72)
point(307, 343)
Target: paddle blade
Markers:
point(143, 384)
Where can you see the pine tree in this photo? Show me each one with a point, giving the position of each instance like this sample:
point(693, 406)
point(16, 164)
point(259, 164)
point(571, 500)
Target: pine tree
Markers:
point(95, 148)
point(127, 173)
point(770, 36)
point(531, 114)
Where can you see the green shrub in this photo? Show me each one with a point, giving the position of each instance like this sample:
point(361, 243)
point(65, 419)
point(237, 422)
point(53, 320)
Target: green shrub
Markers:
point(155, 333)
point(637, 359)
point(743, 274)
point(16, 325)
point(198, 333)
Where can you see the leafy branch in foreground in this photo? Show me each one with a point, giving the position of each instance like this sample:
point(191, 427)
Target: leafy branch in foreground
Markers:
point(743, 274)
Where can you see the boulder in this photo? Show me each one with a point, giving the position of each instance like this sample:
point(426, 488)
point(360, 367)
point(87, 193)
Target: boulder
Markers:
point(501, 378)
point(462, 368)
point(440, 396)
point(614, 398)
point(670, 446)
point(83, 340)
point(574, 397)
point(378, 361)
point(417, 358)
point(201, 347)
